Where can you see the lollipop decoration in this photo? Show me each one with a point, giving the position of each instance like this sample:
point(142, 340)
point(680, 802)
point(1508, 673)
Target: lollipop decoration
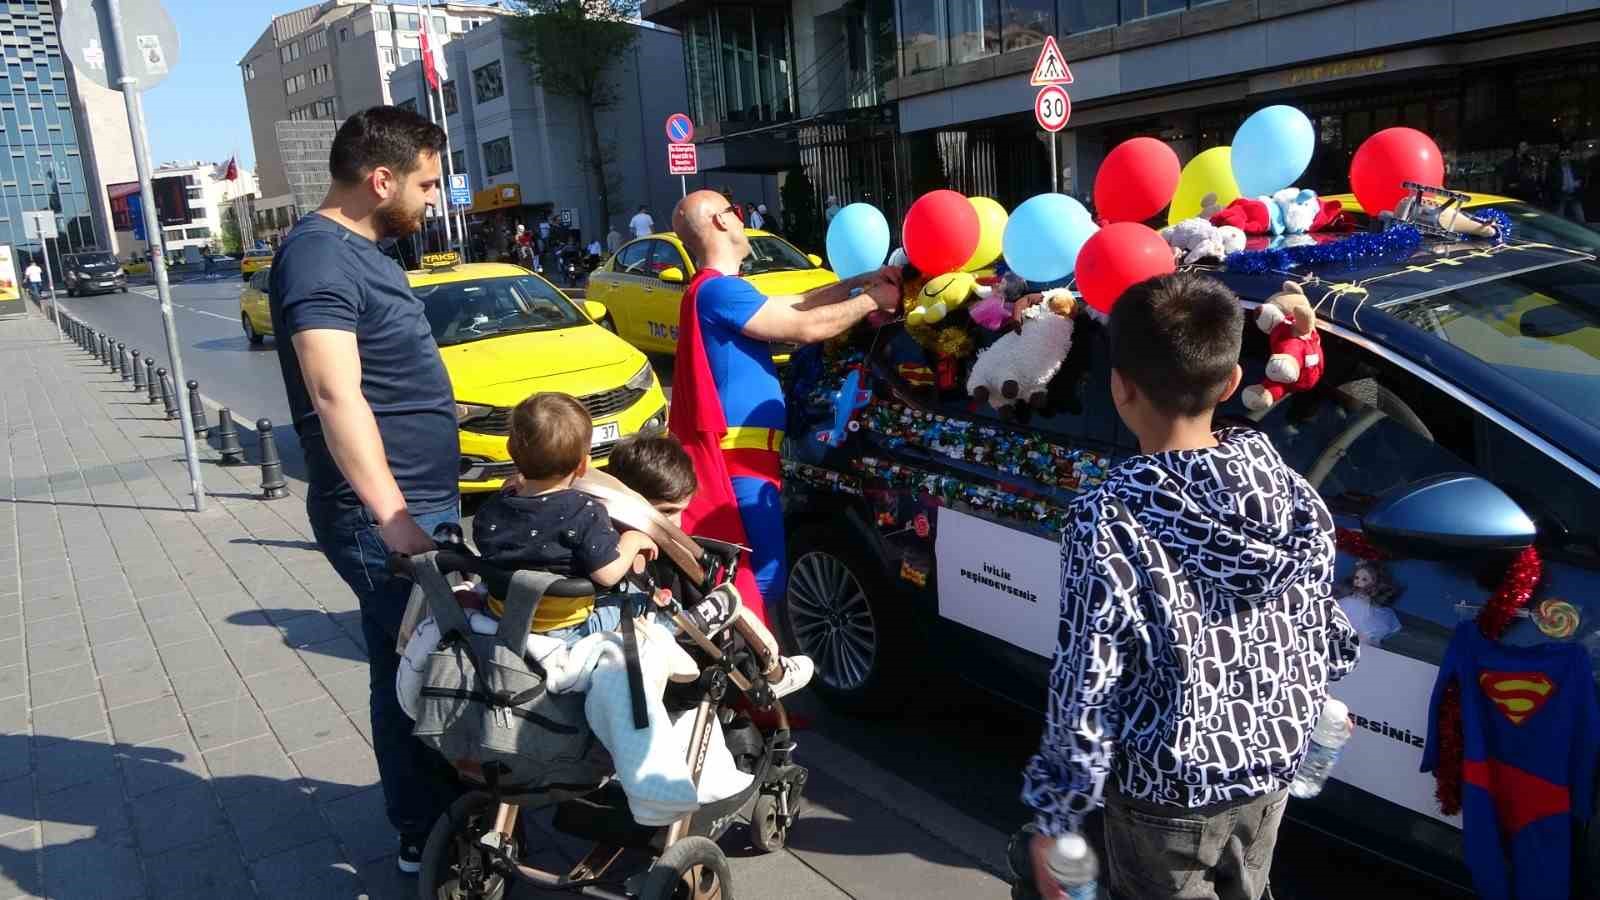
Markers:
point(1557, 618)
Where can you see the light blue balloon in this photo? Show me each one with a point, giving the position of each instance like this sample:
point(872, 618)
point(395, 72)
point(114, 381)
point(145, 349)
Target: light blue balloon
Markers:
point(1044, 235)
point(1272, 149)
point(858, 240)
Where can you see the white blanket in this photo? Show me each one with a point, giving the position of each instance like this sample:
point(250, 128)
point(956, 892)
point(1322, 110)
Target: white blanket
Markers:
point(651, 763)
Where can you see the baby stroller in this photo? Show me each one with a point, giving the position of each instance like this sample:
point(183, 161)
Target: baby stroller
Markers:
point(474, 851)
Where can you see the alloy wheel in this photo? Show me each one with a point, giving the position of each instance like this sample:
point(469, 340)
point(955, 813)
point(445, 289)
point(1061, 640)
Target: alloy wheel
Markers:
point(831, 620)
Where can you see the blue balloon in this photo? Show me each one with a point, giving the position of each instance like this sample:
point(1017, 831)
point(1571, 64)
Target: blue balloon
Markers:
point(1271, 150)
point(1044, 235)
point(858, 240)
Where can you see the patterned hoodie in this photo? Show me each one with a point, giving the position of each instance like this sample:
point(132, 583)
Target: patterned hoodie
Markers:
point(1198, 633)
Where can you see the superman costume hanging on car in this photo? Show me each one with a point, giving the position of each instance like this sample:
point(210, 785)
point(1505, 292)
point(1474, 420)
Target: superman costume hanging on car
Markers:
point(1530, 730)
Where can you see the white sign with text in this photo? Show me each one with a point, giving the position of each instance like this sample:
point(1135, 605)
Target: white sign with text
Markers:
point(1002, 582)
point(1388, 694)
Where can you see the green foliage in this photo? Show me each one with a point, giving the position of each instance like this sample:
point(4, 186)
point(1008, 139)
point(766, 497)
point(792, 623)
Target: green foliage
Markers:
point(802, 223)
point(232, 242)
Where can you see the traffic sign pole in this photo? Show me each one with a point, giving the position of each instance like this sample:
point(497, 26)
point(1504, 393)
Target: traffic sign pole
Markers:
point(132, 99)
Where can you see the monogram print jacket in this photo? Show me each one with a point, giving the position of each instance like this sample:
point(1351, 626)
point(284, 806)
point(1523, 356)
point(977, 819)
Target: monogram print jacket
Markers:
point(1198, 633)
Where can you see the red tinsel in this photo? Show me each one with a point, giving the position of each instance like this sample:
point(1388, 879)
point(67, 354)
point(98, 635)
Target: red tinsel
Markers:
point(1355, 543)
point(1515, 590)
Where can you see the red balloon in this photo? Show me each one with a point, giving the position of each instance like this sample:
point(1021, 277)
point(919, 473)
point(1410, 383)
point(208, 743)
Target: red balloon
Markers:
point(1136, 181)
point(1117, 257)
point(940, 233)
point(1389, 158)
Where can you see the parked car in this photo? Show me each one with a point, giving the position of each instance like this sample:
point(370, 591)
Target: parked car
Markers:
point(505, 333)
point(642, 284)
point(929, 535)
point(254, 261)
point(92, 272)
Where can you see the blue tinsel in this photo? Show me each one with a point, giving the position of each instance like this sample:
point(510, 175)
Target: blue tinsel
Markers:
point(1497, 218)
point(1393, 244)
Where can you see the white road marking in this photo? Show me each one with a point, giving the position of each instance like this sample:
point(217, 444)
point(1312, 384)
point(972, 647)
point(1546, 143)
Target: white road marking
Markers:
point(202, 312)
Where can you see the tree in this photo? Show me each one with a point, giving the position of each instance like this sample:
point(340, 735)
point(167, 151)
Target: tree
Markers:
point(801, 223)
point(232, 242)
point(571, 46)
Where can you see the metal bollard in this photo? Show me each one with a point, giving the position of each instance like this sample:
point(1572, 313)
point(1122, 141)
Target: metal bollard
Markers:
point(105, 348)
point(168, 400)
point(197, 412)
point(228, 439)
point(138, 373)
point(150, 380)
point(122, 361)
point(111, 355)
point(273, 486)
point(83, 334)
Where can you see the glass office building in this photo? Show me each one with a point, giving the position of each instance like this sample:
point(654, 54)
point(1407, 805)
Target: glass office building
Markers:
point(41, 166)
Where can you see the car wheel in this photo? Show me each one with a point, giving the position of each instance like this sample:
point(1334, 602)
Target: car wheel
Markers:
point(124, 289)
point(250, 330)
point(836, 610)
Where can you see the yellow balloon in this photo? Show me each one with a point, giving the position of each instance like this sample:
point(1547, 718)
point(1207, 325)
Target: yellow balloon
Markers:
point(991, 229)
point(1209, 173)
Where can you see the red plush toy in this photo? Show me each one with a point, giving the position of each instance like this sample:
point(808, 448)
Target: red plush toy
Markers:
point(1295, 363)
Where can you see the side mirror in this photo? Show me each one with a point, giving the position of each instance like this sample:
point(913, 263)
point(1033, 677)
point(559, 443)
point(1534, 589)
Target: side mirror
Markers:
point(671, 275)
point(1448, 515)
point(595, 310)
point(815, 259)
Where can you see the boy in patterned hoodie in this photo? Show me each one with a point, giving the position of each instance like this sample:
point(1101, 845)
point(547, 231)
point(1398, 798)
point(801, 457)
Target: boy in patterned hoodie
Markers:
point(1198, 628)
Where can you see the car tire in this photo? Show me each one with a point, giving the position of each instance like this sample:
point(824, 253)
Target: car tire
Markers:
point(250, 333)
point(833, 582)
point(123, 289)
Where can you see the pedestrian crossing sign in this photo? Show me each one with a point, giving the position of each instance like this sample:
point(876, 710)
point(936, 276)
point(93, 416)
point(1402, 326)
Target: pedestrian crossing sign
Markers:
point(1051, 67)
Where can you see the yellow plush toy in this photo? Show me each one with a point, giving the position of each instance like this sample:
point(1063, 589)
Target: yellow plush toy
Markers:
point(941, 295)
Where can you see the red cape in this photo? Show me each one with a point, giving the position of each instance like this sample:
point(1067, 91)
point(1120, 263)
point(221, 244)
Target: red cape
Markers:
point(696, 418)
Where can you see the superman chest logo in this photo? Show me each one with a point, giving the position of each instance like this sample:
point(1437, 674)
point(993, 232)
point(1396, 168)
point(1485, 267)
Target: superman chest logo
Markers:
point(1517, 695)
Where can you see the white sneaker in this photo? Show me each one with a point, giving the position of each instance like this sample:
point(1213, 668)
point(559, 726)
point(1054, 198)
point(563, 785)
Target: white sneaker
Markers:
point(797, 672)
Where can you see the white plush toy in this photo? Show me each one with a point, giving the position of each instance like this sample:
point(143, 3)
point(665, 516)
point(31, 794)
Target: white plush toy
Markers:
point(1018, 367)
point(1299, 209)
point(1193, 240)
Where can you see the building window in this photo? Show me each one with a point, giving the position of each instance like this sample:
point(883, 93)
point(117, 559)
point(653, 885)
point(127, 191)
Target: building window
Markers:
point(382, 20)
point(1028, 22)
point(1087, 15)
point(1143, 9)
point(388, 57)
point(288, 86)
point(487, 82)
point(408, 21)
point(249, 72)
point(439, 25)
point(316, 42)
point(458, 162)
point(451, 105)
point(974, 29)
point(325, 108)
point(497, 156)
point(409, 55)
point(408, 105)
point(344, 34)
point(197, 233)
point(294, 51)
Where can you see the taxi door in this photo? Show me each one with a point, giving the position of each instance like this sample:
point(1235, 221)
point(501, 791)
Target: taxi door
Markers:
point(663, 297)
point(623, 290)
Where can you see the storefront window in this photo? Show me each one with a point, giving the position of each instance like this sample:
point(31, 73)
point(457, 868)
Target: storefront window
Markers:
point(700, 52)
point(922, 35)
point(1143, 9)
point(1087, 15)
point(772, 63)
point(974, 29)
point(1027, 23)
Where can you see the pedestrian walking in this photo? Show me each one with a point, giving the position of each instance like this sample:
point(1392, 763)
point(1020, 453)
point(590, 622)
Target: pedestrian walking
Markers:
point(728, 409)
point(1196, 642)
point(1565, 189)
point(758, 216)
point(642, 223)
point(35, 278)
point(613, 241)
point(372, 405)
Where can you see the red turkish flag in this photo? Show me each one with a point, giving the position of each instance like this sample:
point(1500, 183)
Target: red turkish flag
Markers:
point(233, 169)
point(428, 69)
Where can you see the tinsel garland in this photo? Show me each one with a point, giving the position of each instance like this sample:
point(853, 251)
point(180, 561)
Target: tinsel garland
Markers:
point(1514, 592)
point(1355, 543)
point(1393, 244)
point(1496, 218)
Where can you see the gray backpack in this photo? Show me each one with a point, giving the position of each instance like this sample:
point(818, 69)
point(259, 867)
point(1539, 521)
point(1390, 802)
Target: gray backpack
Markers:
point(484, 705)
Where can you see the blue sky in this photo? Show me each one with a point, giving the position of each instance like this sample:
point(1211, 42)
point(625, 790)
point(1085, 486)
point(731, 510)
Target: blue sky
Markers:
point(198, 112)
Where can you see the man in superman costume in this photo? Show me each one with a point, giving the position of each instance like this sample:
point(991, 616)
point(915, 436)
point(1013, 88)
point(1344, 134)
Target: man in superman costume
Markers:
point(727, 406)
point(1530, 725)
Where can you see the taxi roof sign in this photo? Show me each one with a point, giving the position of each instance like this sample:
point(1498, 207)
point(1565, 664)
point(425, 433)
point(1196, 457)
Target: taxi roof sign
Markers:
point(443, 260)
point(1051, 67)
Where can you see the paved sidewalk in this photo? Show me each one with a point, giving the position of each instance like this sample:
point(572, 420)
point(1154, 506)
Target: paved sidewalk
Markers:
point(183, 697)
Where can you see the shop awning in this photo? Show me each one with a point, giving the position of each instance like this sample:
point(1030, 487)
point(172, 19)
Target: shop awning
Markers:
point(501, 196)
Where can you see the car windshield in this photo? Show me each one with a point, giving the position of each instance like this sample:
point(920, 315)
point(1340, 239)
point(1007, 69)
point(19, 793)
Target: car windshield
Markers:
point(94, 260)
point(770, 254)
point(1540, 328)
point(461, 311)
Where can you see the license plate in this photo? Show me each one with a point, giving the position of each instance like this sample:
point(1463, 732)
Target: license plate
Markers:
point(605, 434)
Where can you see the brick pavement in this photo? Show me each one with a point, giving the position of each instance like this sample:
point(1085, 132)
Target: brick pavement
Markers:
point(183, 697)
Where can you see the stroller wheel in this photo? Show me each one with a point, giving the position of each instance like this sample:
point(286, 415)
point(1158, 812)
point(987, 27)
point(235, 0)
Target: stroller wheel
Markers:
point(692, 869)
point(454, 865)
point(768, 828)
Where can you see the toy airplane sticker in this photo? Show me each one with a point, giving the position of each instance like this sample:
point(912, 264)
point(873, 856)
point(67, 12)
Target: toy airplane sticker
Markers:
point(847, 401)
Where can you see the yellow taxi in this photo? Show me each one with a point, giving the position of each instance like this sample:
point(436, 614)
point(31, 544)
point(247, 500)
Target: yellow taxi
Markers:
point(254, 261)
point(642, 283)
point(504, 333)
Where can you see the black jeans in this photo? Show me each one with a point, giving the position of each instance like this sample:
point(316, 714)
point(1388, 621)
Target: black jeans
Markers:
point(1219, 852)
point(418, 784)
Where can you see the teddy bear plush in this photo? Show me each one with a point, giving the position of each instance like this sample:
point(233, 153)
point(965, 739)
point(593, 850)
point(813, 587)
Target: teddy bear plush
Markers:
point(1018, 367)
point(1196, 239)
point(1295, 348)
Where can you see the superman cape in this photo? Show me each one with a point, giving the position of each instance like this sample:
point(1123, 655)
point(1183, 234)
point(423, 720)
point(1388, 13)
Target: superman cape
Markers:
point(697, 420)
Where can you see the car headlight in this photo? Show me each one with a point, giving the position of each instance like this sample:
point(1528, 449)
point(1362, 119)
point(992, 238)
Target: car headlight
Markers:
point(642, 379)
point(467, 412)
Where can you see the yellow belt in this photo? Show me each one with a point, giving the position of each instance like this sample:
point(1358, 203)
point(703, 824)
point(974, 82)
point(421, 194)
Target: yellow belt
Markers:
point(552, 612)
point(750, 437)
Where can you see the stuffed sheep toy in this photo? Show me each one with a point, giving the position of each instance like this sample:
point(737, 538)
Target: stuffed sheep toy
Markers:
point(1196, 239)
point(1018, 367)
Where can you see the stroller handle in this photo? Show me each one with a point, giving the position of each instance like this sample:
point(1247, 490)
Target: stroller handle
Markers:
point(449, 561)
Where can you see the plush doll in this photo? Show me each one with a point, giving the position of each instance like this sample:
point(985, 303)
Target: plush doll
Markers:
point(1452, 218)
point(1018, 367)
point(1289, 211)
point(1297, 208)
point(1295, 363)
point(1193, 240)
point(941, 295)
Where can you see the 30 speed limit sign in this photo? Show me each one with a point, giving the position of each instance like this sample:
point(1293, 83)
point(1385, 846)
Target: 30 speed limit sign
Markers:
point(1052, 108)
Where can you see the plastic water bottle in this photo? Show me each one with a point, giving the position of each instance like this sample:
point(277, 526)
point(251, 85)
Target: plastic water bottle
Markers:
point(1327, 740)
point(1074, 867)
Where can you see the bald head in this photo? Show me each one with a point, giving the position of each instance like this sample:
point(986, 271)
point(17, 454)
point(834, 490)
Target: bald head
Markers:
point(714, 239)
